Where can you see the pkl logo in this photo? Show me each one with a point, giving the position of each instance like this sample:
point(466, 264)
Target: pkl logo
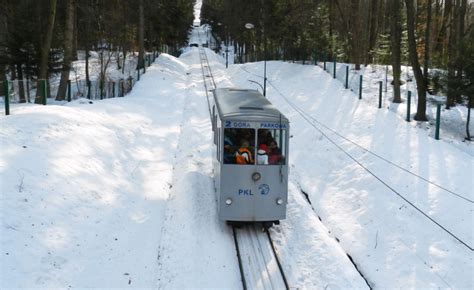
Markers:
point(264, 189)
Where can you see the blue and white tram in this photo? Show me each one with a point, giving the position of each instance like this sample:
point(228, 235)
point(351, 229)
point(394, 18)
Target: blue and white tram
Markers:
point(251, 157)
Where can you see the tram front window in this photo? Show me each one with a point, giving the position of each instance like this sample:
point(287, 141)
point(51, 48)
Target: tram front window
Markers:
point(239, 146)
point(271, 147)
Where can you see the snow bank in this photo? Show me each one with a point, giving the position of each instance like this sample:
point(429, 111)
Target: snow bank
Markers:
point(84, 186)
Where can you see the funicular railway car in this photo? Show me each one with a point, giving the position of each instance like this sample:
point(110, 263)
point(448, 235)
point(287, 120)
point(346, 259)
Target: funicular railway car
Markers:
point(251, 139)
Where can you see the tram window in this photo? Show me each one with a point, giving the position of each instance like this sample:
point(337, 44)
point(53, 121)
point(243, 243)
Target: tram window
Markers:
point(273, 144)
point(239, 146)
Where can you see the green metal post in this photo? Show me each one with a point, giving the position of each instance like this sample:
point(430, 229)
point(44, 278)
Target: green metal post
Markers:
point(28, 89)
point(138, 74)
point(360, 87)
point(380, 94)
point(408, 106)
point(7, 98)
point(113, 89)
point(68, 90)
point(334, 70)
point(44, 86)
point(438, 120)
point(347, 77)
point(324, 65)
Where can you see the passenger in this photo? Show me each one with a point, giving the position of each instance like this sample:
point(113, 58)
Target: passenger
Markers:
point(243, 154)
point(262, 156)
point(274, 155)
point(269, 138)
point(229, 157)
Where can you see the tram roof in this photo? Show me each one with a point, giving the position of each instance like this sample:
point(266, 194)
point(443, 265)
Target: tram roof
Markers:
point(235, 102)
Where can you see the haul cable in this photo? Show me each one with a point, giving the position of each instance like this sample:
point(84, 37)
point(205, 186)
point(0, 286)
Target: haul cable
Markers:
point(371, 152)
point(307, 118)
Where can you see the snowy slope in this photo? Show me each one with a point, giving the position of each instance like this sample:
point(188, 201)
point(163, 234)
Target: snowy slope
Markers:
point(80, 195)
point(393, 243)
point(118, 193)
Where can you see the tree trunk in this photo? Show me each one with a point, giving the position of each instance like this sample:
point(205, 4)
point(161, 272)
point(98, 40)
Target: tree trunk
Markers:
point(74, 35)
point(141, 36)
point(3, 40)
point(396, 39)
point(119, 65)
point(427, 44)
point(68, 44)
point(452, 55)
point(355, 35)
point(124, 59)
point(420, 80)
point(21, 85)
point(373, 30)
point(442, 42)
point(3, 75)
point(470, 104)
point(461, 6)
point(45, 47)
point(87, 70)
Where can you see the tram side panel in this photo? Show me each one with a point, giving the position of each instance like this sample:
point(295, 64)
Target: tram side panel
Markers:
point(217, 155)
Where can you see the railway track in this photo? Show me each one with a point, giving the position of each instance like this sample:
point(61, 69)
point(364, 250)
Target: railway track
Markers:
point(259, 265)
point(209, 84)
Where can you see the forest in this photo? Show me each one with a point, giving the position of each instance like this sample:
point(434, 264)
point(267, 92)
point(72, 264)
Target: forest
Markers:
point(435, 37)
point(41, 38)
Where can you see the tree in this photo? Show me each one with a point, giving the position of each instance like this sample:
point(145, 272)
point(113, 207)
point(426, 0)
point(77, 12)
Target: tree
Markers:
point(420, 79)
point(427, 43)
point(141, 36)
point(3, 46)
point(395, 40)
point(373, 31)
point(68, 47)
point(45, 47)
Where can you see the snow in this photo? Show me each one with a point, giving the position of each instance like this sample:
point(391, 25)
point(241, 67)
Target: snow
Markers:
point(452, 121)
point(392, 243)
point(119, 193)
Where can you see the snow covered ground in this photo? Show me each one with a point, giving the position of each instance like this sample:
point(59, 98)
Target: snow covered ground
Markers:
point(78, 77)
point(453, 121)
point(118, 193)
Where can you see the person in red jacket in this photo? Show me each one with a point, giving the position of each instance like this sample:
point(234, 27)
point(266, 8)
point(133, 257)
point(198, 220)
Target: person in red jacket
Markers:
point(274, 155)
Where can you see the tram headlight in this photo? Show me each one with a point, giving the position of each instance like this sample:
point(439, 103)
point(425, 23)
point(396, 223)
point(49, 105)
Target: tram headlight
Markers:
point(228, 201)
point(256, 176)
point(279, 201)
